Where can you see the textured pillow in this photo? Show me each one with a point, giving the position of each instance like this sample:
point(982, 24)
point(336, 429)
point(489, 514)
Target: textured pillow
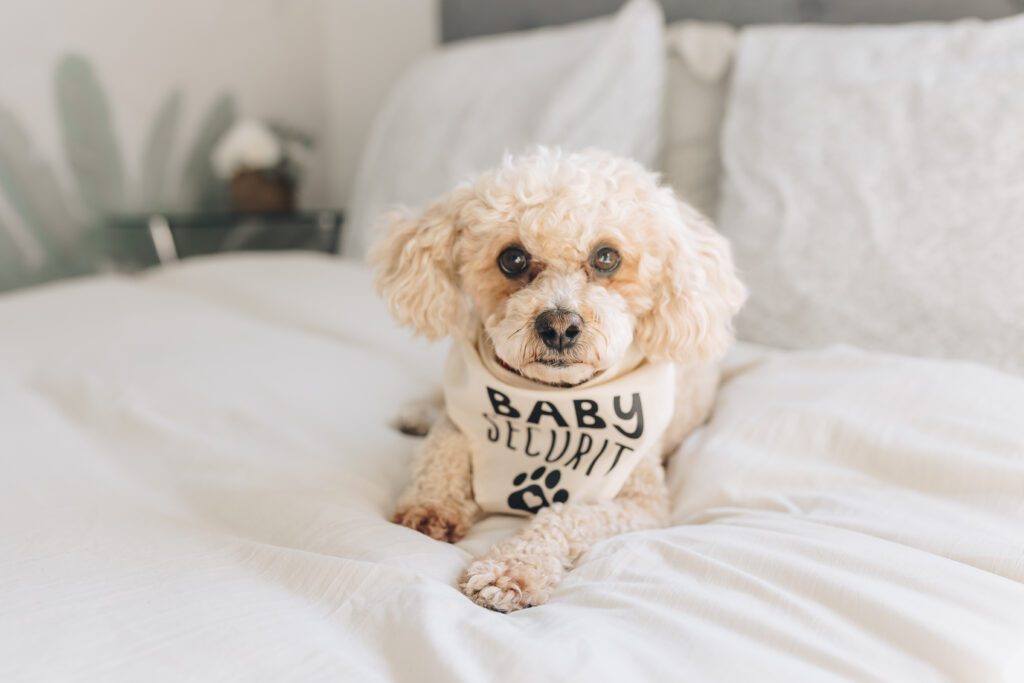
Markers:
point(874, 187)
point(700, 56)
point(597, 83)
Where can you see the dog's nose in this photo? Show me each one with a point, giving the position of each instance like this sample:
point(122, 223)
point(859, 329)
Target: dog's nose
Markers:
point(558, 328)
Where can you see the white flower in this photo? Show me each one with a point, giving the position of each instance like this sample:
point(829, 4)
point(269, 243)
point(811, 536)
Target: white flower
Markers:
point(248, 145)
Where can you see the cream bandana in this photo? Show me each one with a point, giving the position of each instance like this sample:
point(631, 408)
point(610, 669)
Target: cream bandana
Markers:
point(535, 445)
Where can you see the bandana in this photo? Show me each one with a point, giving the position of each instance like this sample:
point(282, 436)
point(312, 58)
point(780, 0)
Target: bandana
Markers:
point(534, 445)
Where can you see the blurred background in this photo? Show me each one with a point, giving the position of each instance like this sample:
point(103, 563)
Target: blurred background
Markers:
point(113, 108)
point(137, 132)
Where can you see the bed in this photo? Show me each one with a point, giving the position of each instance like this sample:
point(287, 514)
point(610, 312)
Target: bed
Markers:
point(844, 516)
point(198, 465)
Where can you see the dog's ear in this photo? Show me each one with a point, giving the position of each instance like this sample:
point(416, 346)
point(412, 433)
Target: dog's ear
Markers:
point(696, 293)
point(416, 270)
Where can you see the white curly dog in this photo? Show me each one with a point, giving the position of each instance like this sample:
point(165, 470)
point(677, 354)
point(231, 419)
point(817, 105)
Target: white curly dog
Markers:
point(556, 267)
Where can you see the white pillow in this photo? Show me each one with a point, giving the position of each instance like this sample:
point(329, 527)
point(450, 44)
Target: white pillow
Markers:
point(700, 56)
point(596, 83)
point(874, 187)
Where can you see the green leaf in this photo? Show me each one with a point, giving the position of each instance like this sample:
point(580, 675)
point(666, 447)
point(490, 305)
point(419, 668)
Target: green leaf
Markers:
point(13, 269)
point(32, 191)
point(20, 267)
point(156, 153)
point(201, 188)
point(89, 141)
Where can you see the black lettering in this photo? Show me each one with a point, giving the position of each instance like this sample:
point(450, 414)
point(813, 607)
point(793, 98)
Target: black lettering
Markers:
point(574, 461)
point(554, 440)
point(501, 403)
point(568, 438)
point(597, 457)
point(511, 430)
point(622, 447)
point(492, 432)
point(586, 414)
point(529, 439)
point(637, 410)
point(543, 408)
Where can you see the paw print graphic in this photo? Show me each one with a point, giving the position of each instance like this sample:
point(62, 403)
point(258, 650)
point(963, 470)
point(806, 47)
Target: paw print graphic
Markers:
point(532, 498)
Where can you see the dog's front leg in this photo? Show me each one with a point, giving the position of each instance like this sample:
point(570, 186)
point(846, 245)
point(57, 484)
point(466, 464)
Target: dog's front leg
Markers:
point(439, 501)
point(523, 570)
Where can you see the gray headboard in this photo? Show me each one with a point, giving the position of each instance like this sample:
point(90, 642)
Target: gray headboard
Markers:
point(467, 18)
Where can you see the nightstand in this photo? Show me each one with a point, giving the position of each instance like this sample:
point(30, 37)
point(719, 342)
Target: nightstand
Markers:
point(141, 240)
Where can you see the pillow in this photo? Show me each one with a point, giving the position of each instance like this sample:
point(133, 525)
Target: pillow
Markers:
point(874, 187)
point(700, 56)
point(597, 83)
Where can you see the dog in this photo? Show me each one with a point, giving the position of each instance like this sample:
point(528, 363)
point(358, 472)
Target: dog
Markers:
point(589, 309)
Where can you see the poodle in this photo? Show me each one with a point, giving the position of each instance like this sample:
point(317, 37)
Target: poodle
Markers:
point(589, 308)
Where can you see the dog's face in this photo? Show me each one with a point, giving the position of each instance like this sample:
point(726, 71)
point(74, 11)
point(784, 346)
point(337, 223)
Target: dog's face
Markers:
point(565, 260)
point(559, 284)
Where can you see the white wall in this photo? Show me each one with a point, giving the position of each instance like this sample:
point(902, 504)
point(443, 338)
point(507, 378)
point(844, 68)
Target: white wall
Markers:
point(368, 43)
point(141, 49)
point(322, 65)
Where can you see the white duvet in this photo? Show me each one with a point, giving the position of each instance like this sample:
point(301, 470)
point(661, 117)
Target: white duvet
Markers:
point(196, 473)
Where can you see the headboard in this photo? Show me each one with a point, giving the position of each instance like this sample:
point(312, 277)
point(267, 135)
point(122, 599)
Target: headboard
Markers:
point(467, 18)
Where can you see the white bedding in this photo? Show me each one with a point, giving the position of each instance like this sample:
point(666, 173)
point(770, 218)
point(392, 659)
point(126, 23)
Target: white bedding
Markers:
point(196, 472)
point(874, 188)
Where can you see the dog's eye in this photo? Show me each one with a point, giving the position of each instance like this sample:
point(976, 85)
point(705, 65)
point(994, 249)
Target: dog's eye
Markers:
point(605, 260)
point(513, 261)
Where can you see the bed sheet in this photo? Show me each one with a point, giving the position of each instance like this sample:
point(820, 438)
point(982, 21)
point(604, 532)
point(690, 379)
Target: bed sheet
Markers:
point(197, 469)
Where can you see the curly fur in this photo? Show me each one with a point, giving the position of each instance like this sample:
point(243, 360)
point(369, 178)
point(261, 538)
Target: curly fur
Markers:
point(673, 297)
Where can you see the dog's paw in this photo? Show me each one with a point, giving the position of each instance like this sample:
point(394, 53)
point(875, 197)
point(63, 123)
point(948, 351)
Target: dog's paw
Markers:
point(439, 522)
point(510, 585)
